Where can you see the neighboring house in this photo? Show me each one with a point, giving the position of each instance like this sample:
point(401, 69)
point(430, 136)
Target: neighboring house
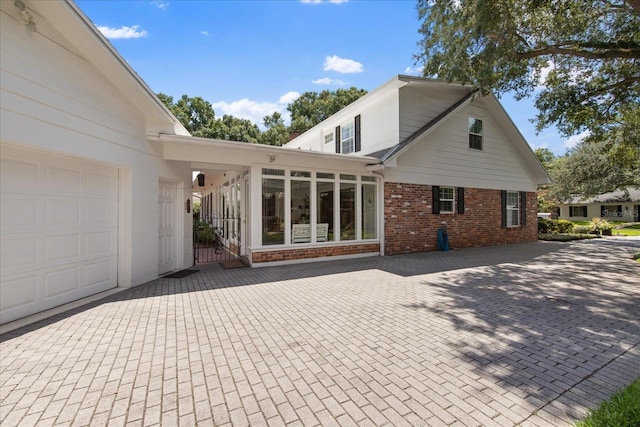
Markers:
point(615, 206)
point(97, 174)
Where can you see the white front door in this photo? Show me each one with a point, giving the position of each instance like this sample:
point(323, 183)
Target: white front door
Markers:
point(166, 227)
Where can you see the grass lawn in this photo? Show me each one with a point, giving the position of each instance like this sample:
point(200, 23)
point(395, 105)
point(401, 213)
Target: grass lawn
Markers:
point(621, 410)
point(629, 230)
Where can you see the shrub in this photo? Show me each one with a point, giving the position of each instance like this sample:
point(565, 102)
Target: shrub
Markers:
point(554, 226)
point(581, 229)
point(564, 226)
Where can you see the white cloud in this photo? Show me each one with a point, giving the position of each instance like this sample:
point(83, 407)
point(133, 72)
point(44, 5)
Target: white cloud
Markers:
point(574, 140)
point(342, 65)
point(256, 111)
point(160, 4)
point(204, 32)
point(288, 98)
point(123, 32)
point(329, 82)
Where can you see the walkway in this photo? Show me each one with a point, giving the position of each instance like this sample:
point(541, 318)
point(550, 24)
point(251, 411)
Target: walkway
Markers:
point(529, 334)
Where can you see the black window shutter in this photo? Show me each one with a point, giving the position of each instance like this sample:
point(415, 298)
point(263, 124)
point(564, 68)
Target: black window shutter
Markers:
point(585, 212)
point(619, 211)
point(435, 199)
point(503, 207)
point(460, 200)
point(356, 122)
point(570, 210)
point(523, 209)
point(337, 139)
point(602, 211)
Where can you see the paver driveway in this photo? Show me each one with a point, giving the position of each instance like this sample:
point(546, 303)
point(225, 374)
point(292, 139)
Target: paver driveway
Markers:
point(528, 334)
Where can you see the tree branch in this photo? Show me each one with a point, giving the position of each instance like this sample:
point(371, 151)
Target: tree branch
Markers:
point(611, 53)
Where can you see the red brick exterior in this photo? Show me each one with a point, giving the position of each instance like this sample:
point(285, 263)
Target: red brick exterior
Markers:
point(304, 253)
point(410, 225)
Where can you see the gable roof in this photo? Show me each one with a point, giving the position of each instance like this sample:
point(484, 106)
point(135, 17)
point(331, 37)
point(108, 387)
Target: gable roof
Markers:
point(401, 147)
point(493, 105)
point(71, 23)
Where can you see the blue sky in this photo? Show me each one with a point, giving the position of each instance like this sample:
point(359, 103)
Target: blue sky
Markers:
point(250, 58)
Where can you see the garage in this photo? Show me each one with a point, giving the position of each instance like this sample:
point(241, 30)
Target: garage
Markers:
point(59, 230)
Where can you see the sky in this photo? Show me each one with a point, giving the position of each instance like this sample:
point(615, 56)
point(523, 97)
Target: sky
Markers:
point(250, 58)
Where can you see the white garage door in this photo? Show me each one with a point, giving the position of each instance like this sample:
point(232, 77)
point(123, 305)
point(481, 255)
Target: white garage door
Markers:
point(59, 231)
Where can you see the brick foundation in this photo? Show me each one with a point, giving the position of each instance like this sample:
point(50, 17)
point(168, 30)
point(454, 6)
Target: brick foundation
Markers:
point(317, 252)
point(410, 225)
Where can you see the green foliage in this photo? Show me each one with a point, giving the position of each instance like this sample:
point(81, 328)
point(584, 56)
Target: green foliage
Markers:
point(565, 237)
point(581, 229)
point(579, 58)
point(621, 410)
point(276, 133)
point(198, 117)
point(600, 225)
point(593, 168)
point(311, 108)
point(554, 226)
point(204, 232)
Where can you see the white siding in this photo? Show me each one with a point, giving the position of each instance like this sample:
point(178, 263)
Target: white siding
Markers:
point(54, 100)
point(419, 105)
point(443, 157)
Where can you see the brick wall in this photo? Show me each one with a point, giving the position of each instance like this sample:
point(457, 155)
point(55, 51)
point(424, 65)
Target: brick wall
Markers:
point(410, 225)
point(303, 253)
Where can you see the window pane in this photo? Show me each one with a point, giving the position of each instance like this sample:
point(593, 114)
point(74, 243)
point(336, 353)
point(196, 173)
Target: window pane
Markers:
point(513, 199)
point(325, 175)
point(272, 211)
point(276, 172)
point(300, 193)
point(369, 178)
point(347, 211)
point(513, 218)
point(302, 174)
point(446, 206)
point(348, 177)
point(369, 212)
point(475, 126)
point(324, 206)
point(475, 141)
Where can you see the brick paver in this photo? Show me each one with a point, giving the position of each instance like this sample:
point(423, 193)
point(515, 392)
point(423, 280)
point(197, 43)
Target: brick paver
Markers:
point(528, 334)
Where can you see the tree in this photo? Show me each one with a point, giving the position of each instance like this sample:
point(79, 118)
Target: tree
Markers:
point(593, 168)
point(546, 202)
point(276, 133)
point(233, 129)
point(580, 57)
point(311, 108)
point(195, 114)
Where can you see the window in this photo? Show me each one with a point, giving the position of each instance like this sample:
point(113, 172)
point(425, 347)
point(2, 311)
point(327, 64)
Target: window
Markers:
point(580, 211)
point(446, 199)
point(272, 211)
point(347, 211)
point(347, 138)
point(475, 133)
point(324, 209)
point(300, 193)
point(513, 209)
point(369, 211)
point(611, 211)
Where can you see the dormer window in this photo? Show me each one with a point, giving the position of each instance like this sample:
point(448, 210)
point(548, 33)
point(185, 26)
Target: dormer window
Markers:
point(475, 133)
